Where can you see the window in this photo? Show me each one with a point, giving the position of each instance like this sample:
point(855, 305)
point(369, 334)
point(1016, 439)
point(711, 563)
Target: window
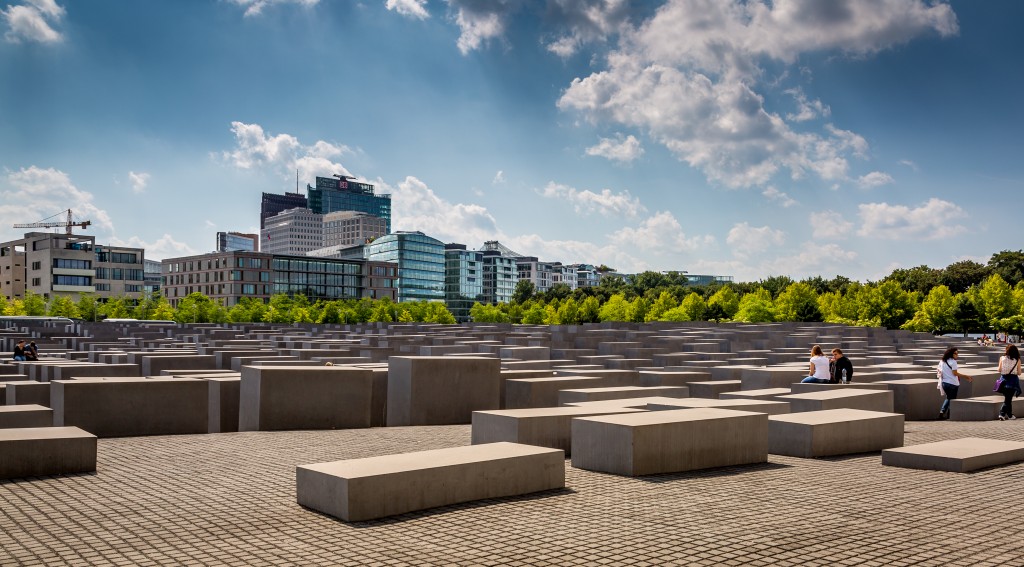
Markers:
point(72, 280)
point(36, 265)
point(70, 264)
point(35, 281)
point(102, 287)
point(132, 288)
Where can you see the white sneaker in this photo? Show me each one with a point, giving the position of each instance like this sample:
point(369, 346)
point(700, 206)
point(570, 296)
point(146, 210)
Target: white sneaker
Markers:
point(1012, 417)
point(1002, 417)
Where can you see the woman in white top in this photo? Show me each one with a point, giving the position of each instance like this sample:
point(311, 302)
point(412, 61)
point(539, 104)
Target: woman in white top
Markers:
point(949, 379)
point(1009, 369)
point(818, 372)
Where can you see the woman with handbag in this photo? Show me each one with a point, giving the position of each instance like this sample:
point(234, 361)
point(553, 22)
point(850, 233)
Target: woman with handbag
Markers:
point(1009, 376)
point(949, 379)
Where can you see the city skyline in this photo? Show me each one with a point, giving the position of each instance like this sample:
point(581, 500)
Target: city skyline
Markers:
point(739, 138)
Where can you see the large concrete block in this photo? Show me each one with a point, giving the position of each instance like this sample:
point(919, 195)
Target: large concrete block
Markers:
point(224, 396)
point(68, 372)
point(772, 376)
point(29, 415)
point(523, 393)
point(852, 398)
point(984, 408)
point(713, 389)
point(28, 392)
point(127, 407)
point(42, 451)
point(376, 487)
point(767, 394)
point(610, 377)
point(152, 365)
point(801, 388)
point(770, 407)
point(956, 455)
point(542, 427)
point(429, 390)
point(592, 394)
point(670, 378)
point(669, 441)
point(301, 397)
point(833, 432)
point(917, 399)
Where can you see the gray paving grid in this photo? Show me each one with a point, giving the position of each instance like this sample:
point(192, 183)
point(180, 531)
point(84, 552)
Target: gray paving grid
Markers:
point(229, 499)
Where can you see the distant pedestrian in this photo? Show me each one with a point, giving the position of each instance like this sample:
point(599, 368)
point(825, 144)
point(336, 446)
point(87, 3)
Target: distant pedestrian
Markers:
point(949, 379)
point(1009, 370)
point(19, 350)
point(842, 368)
point(818, 371)
point(32, 351)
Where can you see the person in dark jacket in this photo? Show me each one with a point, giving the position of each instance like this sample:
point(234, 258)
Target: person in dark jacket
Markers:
point(19, 351)
point(840, 363)
point(32, 351)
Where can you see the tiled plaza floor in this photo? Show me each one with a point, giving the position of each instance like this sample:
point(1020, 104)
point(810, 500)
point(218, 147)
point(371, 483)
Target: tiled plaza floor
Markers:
point(229, 499)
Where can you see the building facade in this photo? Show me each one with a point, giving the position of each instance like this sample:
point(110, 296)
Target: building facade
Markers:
point(295, 231)
point(50, 264)
point(420, 261)
point(349, 228)
point(541, 274)
point(272, 204)
point(229, 241)
point(227, 277)
point(342, 193)
point(151, 272)
point(463, 280)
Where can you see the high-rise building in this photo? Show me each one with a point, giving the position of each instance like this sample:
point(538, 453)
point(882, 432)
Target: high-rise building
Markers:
point(420, 262)
point(342, 193)
point(500, 277)
point(349, 228)
point(273, 204)
point(50, 264)
point(295, 231)
point(237, 241)
point(151, 273)
point(463, 280)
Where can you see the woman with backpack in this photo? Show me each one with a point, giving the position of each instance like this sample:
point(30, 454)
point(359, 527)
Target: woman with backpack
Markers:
point(1009, 371)
point(949, 379)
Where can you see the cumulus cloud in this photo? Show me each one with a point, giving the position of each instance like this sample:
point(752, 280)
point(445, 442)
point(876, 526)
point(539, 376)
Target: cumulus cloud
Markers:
point(620, 149)
point(773, 194)
point(481, 22)
point(409, 8)
point(746, 241)
point(164, 247)
point(256, 148)
point(806, 109)
point(138, 181)
point(932, 220)
point(587, 202)
point(874, 179)
point(255, 7)
point(659, 233)
point(689, 77)
point(499, 178)
point(32, 21)
point(830, 225)
point(415, 206)
point(31, 194)
point(583, 21)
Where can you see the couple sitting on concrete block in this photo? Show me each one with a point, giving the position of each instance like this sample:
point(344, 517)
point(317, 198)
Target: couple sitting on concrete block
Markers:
point(823, 370)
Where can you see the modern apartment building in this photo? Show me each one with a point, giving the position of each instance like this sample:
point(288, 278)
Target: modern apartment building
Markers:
point(295, 231)
point(500, 277)
point(226, 277)
point(151, 273)
point(463, 280)
point(343, 193)
point(51, 264)
point(272, 204)
point(420, 260)
point(541, 274)
point(349, 228)
point(565, 274)
point(229, 241)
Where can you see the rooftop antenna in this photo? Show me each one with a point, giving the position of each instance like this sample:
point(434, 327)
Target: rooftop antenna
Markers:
point(296, 180)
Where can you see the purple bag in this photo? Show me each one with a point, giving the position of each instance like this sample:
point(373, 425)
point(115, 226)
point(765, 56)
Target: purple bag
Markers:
point(999, 384)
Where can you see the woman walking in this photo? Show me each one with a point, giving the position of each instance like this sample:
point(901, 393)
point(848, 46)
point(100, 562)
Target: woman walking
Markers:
point(949, 379)
point(1009, 369)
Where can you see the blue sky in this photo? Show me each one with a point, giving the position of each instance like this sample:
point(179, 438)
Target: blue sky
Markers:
point(751, 139)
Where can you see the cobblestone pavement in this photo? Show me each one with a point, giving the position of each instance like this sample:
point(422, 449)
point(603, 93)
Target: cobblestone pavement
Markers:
point(229, 499)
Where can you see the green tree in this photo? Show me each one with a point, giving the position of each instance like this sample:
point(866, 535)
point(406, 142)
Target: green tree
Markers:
point(569, 312)
point(615, 309)
point(664, 302)
point(34, 304)
point(798, 302)
point(590, 310)
point(886, 304)
point(936, 313)
point(776, 284)
point(116, 308)
point(921, 279)
point(1009, 265)
point(996, 300)
point(382, 312)
point(727, 300)
point(637, 310)
point(961, 276)
point(63, 306)
point(559, 290)
point(524, 291)
point(966, 314)
point(694, 307)
point(756, 307)
point(437, 312)
point(88, 307)
point(534, 315)
point(404, 316)
point(15, 307)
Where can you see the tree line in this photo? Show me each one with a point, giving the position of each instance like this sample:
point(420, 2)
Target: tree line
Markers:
point(965, 296)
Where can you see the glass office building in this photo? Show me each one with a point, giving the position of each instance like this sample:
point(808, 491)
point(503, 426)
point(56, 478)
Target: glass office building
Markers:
point(500, 277)
point(463, 280)
point(344, 194)
point(271, 204)
point(420, 261)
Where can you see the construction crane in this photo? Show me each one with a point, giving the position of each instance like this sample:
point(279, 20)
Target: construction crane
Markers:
point(56, 224)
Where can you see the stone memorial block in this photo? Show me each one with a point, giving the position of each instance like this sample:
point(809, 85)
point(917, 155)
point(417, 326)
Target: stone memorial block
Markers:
point(767, 394)
point(521, 393)
point(274, 398)
point(956, 455)
point(916, 398)
point(69, 372)
point(772, 376)
point(376, 487)
point(152, 365)
point(833, 432)
point(770, 407)
point(801, 388)
point(29, 415)
point(224, 396)
point(669, 441)
point(982, 408)
point(852, 398)
point(713, 389)
point(44, 451)
point(671, 378)
point(542, 427)
point(592, 394)
point(128, 407)
point(28, 392)
point(441, 390)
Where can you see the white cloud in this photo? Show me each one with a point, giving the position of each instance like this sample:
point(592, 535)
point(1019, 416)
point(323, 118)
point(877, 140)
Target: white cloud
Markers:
point(415, 206)
point(138, 181)
point(256, 148)
point(499, 178)
point(746, 240)
point(659, 233)
point(806, 109)
point(584, 21)
point(32, 21)
point(34, 193)
point(620, 149)
point(587, 202)
point(773, 194)
point(689, 77)
point(480, 22)
point(830, 225)
point(874, 179)
point(255, 7)
point(409, 8)
point(932, 220)
point(908, 163)
point(164, 247)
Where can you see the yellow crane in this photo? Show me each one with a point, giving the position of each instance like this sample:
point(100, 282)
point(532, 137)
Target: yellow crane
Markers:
point(56, 224)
